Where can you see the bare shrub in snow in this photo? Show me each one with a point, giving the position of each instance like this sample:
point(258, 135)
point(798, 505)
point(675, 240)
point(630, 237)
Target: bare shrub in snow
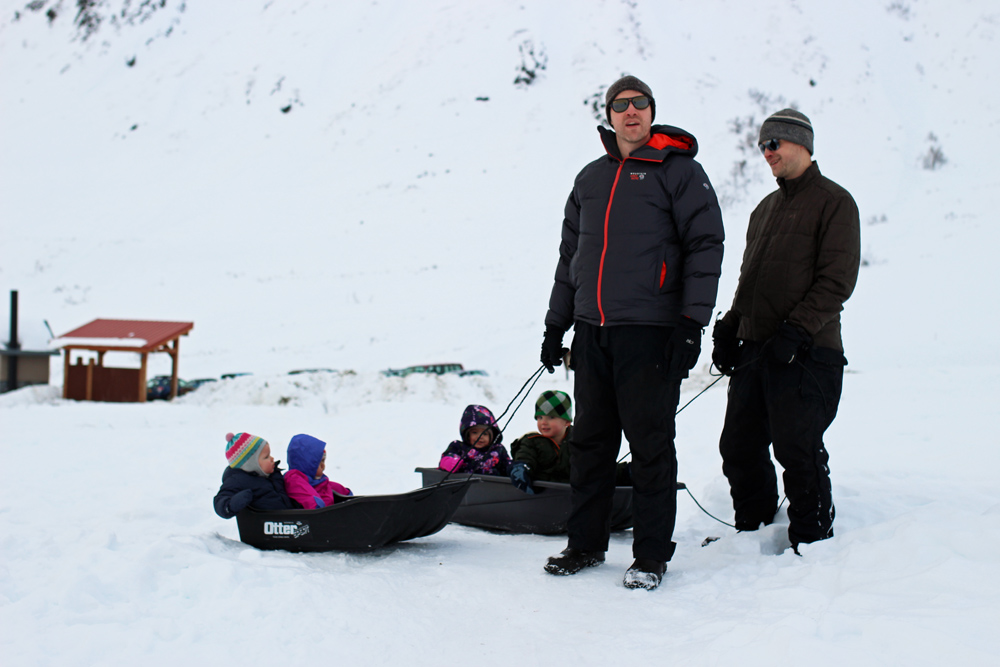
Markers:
point(533, 62)
point(900, 9)
point(92, 15)
point(934, 157)
point(596, 104)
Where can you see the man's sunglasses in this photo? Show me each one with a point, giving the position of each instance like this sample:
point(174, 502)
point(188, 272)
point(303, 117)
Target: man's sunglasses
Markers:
point(769, 145)
point(620, 105)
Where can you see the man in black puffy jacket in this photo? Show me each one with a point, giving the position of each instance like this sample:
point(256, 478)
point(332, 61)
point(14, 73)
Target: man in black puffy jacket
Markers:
point(637, 278)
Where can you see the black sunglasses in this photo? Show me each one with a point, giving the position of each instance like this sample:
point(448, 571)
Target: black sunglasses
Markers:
point(620, 105)
point(769, 145)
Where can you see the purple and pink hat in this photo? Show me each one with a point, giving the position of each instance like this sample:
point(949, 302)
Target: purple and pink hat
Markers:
point(478, 415)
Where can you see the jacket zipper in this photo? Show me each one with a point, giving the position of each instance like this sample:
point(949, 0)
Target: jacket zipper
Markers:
point(604, 250)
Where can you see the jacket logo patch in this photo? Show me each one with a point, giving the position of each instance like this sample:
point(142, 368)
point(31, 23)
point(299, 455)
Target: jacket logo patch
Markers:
point(638, 176)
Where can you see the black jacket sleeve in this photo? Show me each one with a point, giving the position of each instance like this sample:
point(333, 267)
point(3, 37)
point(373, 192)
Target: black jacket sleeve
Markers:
point(221, 501)
point(700, 231)
point(560, 314)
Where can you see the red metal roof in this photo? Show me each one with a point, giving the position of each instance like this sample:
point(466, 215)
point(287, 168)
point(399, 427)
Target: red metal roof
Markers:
point(154, 333)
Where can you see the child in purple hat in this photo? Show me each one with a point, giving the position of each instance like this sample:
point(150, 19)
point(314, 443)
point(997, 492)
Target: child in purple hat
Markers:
point(305, 481)
point(480, 450)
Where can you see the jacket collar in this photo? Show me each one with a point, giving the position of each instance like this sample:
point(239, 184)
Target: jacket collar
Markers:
point(792, 186)
point(664, 140)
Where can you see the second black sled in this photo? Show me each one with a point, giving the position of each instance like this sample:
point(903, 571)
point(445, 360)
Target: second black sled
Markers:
point(497, 504)
point(355, 523)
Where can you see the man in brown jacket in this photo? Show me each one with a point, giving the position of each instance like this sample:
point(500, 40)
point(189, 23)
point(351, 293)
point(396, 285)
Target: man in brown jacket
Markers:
point(781, 341)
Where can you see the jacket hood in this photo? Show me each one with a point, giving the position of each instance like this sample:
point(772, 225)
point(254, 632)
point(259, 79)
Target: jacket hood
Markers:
point(664, 140)
point(478, 415)
point(305, 453)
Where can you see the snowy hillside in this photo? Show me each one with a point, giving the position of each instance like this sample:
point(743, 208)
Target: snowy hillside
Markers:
point(359, 186)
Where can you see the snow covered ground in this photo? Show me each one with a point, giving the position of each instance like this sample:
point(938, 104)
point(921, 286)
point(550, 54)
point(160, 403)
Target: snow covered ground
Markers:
point(363, 186)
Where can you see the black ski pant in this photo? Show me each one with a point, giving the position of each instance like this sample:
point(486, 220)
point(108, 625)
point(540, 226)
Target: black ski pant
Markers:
point(622, 384)
point(788, 406)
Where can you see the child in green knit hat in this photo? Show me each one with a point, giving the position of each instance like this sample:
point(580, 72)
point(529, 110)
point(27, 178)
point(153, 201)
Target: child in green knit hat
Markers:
point(544, 455)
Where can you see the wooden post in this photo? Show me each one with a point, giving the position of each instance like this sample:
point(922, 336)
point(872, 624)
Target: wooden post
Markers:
point(173, 372)
point(68, 351)
point(142, 377)
point(89, 393)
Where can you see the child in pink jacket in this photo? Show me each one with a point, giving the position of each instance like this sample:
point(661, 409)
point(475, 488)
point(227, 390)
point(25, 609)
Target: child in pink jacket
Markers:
point(305, 482)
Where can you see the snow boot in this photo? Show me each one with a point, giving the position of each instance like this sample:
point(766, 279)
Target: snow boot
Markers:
point(571, 561)
point(645, 573)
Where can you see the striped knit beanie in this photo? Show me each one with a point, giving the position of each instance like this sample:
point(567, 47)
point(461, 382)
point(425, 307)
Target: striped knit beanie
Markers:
point(554, 404)
point(790, 125)
point(242, 450)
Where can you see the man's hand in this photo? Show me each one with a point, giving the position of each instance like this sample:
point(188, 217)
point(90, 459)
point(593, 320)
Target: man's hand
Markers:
point(725, 347)
point(552, 349)
point(785, 345)
point(685, 346)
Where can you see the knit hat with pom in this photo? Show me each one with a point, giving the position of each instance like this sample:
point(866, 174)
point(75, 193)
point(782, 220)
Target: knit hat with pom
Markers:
point(242, 450)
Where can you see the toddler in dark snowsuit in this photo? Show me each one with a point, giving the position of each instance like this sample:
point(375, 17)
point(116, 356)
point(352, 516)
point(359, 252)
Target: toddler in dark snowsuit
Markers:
point(479, 451)
point(252, 478)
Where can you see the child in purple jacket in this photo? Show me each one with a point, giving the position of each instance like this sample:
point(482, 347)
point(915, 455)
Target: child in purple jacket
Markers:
point(305, 482)
point(479, 451)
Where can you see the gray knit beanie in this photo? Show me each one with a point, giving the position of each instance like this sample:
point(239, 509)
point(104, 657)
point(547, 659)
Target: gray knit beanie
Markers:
point(790, 125)
point(628, 83)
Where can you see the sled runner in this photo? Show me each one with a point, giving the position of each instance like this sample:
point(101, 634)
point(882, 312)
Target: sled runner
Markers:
point(355, 523)
point(499, 505)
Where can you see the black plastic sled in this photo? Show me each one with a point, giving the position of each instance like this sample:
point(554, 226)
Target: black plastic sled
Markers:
point(499, 505)
point(356, 523)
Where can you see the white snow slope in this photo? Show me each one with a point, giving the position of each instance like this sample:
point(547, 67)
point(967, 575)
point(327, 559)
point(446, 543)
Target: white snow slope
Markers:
point(360, 186)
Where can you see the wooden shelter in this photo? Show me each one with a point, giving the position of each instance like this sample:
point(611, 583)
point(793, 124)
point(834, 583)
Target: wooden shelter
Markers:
point(97, 382)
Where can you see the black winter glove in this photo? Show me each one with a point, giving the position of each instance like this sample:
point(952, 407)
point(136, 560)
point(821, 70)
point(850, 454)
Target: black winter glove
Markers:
point(725, 347)
point(239, 501)
point(685, 346)
point(788, 342)
point(552, 349)
point(520, 478)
